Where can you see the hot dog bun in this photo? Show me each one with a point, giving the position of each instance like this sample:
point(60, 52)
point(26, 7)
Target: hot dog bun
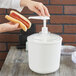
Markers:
point(16, 21)
point(18, 18)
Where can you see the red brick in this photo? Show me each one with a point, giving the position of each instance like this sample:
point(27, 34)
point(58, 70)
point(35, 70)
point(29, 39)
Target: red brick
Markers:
point(53, 9)
point(63, 1)
point(2, 46)
point(63, 19)
point(70, 9)
point(73, 44)
point(69, 38)
point(2, 11)
point(9, 37)
point(51, 28)
point(69, 28)
point(12, 44)
point(3, 55)
point(1, 64)
point(2, 19)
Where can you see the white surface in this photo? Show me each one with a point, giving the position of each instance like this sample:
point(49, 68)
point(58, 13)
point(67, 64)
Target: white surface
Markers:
point(74, 57)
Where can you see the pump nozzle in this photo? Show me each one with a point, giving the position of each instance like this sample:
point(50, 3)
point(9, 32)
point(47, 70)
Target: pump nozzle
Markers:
point(44, 18)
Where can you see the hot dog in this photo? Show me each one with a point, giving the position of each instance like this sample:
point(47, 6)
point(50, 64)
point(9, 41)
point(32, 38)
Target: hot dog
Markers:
point(18, 18)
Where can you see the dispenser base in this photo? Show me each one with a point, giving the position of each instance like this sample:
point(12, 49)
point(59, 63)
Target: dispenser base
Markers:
point(44, 72)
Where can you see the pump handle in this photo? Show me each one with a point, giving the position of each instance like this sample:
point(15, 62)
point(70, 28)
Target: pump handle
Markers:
point(39, 17)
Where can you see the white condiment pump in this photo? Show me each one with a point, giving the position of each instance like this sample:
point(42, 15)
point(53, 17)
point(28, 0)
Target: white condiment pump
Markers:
point(44, 49)
point(44, 18)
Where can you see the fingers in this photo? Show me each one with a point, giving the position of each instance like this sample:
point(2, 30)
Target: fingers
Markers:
point(16, 25)
point(10, 26)
point(36, 10)
point(46, 11)
point(13, 26)
point(41, 10)
point(17, 29)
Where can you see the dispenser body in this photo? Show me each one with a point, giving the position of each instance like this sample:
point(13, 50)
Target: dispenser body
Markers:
point(44, 57)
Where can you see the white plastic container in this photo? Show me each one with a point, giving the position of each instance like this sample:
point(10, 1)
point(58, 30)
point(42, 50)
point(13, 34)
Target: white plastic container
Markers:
point(44, 50)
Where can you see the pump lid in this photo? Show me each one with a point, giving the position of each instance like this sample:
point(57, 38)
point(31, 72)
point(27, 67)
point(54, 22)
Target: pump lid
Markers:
point(44, 38)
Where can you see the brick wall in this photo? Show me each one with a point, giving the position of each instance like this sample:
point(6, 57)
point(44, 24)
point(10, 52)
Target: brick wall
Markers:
point(62, 22)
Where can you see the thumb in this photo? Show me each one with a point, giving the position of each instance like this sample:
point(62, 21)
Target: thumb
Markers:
point(16, 25)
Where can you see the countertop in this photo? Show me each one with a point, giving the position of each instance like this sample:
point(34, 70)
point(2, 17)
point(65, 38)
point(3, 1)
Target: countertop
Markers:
point(16, 64)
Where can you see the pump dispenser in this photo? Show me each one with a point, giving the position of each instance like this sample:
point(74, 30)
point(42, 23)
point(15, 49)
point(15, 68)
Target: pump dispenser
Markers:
point(44, 18)
point(44, 49)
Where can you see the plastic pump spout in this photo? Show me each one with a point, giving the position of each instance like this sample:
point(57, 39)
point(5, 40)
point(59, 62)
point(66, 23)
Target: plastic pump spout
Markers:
point(44, 18)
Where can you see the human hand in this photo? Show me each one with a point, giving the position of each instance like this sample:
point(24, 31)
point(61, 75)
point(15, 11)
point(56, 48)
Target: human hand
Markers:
point(5, 27)
point(36, 7)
